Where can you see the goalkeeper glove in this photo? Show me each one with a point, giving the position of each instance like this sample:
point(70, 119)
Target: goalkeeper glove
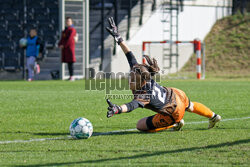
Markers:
point(113, 109)
point(113, 30)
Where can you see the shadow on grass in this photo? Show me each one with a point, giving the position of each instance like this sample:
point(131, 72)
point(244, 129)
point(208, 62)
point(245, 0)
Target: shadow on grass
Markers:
point(115, 133)
point(94, 133)
point(145, 155)
point(65, 134)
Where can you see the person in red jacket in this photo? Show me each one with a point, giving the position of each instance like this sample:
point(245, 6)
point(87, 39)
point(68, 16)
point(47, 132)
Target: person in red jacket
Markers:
point(67, 44)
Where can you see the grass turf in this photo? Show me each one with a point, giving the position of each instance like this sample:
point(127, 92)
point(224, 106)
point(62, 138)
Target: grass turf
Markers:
point(45, 109)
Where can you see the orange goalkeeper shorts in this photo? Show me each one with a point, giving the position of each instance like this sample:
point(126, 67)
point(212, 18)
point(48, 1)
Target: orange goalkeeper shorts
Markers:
point(159, 120)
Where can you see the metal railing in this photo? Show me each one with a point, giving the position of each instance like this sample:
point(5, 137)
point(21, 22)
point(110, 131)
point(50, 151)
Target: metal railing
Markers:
point(108, 8)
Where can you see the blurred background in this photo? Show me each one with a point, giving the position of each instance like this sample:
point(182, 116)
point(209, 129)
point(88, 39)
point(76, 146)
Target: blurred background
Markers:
point(138, 21)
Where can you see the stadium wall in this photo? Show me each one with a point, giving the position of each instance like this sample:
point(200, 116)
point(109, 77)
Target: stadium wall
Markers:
point(195, 21)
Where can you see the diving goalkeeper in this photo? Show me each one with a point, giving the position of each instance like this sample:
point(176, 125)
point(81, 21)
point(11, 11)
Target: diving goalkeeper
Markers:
point(170, 104)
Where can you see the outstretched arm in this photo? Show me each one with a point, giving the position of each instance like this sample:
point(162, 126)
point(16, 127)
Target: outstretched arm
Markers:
point(113, 30)
point(115, 109)
point(130, 56)
point(124, 47)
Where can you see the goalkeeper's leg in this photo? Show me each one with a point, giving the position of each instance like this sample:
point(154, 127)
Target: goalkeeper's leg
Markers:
point(155, 123)
point(203, 110)
point(159, 122)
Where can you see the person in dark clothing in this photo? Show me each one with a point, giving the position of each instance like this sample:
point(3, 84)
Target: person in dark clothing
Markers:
point(67, 44)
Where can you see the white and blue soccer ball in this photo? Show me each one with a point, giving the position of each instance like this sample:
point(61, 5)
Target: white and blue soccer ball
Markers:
point(23, 42)
point(81, 128)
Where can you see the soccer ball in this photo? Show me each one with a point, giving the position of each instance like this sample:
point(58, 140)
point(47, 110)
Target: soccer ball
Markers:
point(81, 128)
point(23, 42)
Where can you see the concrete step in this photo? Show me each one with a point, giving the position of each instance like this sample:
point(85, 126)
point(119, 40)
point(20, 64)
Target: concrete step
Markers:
point(44, 75)
point(50, 66)
point(51, 60)
point(76, 72)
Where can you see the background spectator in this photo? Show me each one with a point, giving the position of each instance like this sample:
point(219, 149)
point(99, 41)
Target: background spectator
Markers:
point(34, 49)
point(67, 44)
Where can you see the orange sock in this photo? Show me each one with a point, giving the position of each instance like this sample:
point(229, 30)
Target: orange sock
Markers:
point(159, 129)
point(202, 110)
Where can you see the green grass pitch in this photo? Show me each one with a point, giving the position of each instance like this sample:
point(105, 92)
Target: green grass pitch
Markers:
point(45, 109)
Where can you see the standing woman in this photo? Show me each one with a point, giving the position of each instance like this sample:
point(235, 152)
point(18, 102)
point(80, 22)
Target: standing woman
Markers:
point(67, 44)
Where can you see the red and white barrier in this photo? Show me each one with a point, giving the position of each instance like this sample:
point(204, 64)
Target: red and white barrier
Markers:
point(197, 44)
point(197, 47)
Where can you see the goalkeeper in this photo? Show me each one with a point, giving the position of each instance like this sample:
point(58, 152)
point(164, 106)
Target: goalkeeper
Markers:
point(170, 104)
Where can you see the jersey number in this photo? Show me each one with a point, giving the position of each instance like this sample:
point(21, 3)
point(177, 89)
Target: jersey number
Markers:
point(160, 95)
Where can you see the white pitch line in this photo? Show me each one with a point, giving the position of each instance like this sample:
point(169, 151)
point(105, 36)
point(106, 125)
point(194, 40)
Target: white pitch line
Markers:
point(106, 133)
point(223, 120)
point(31, 140)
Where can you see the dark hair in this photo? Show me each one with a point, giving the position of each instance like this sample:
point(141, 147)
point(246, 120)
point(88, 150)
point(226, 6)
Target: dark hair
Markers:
point(67, 18)
point(153, 67)
point(144, 72)
point(33, 28)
